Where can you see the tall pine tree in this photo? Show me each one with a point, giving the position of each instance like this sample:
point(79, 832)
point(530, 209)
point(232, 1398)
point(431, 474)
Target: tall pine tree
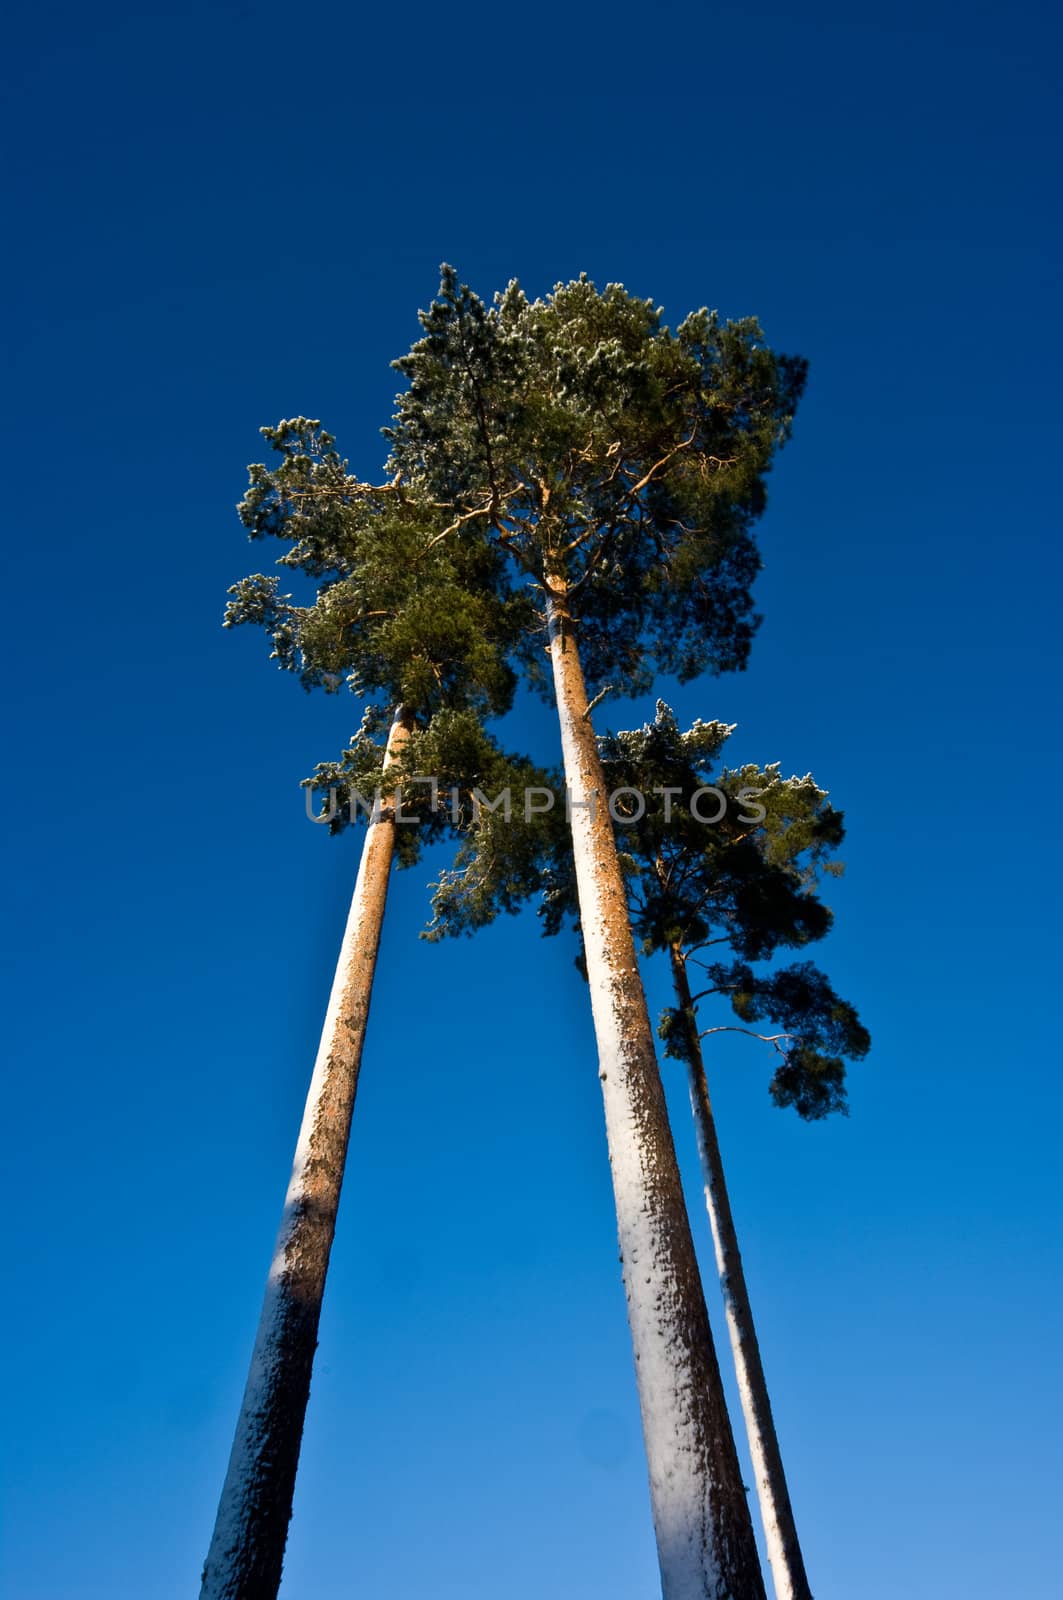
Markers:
point(620, 467)
point(716, 863)
point(418, 628)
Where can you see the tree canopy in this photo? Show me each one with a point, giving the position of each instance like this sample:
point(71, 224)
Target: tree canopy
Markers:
point(607, 455)
point(399, 615)
point(717, 860)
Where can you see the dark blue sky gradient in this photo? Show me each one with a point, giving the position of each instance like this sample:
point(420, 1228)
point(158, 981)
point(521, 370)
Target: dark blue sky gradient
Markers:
point(226, 215)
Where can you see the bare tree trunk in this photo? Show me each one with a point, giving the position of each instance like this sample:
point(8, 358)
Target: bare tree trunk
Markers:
point(705, 1541)
point(247, 1548)
point(780, 1533)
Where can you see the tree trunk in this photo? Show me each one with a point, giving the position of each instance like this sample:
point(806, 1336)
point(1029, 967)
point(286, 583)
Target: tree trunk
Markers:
point(247, 1548)
point(780, 1533)
point(705, 1541)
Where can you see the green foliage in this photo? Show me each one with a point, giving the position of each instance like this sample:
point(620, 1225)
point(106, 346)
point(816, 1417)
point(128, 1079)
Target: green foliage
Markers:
point(677, 1028)
point(502, 857)
point(820, 1031)
point(598, 447)
point(746, 882)
point(402, 614)
point(574, 445)
point(448, 775)
point(693, 880)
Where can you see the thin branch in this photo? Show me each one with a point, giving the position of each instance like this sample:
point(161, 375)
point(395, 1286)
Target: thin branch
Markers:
point(595, 558)
point(598, 699)
point(644, 480)
point(487, 510)
point(364, 616)
point(704, 946)
point(579, 541)
point(767, 1038)
point(508, 541)
point(349, 486)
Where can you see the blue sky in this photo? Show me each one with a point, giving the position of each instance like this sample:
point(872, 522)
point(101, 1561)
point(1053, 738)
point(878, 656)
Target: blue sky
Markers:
point(228, 215)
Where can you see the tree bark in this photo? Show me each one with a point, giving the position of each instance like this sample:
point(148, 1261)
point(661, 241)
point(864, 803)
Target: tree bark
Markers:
point(247, 1548)
point(780, 1532)
point(701, 1518)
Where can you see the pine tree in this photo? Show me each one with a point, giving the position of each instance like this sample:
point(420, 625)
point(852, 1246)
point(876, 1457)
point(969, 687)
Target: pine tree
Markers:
point(620, 466)
point(418, 629)
point(750, 887)
point(731, 860)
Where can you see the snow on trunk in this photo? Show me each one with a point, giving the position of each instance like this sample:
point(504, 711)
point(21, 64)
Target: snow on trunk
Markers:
point(247, 1548)
point(780, 1532)
point(704, 1534)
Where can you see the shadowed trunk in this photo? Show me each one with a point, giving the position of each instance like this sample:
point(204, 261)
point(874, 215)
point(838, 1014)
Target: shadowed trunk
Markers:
point(247, 1548)
point(704, 1534)
point(780, 1534)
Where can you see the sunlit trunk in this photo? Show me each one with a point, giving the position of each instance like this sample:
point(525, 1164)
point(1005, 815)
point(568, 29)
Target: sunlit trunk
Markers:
point(780, 1533)
point(704, 1534)
point(247, 1549)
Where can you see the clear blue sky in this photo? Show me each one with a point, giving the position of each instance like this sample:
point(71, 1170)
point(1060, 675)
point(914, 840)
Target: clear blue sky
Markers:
point(229, 214)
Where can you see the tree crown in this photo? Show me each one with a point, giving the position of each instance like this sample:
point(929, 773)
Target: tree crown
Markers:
point(620, 464)
point(399, 614)
point(744, 884)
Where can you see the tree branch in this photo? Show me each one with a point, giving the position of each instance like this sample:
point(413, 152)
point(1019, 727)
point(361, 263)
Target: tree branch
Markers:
point(599, 697)
point(657, 465)
point(768, 1038)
